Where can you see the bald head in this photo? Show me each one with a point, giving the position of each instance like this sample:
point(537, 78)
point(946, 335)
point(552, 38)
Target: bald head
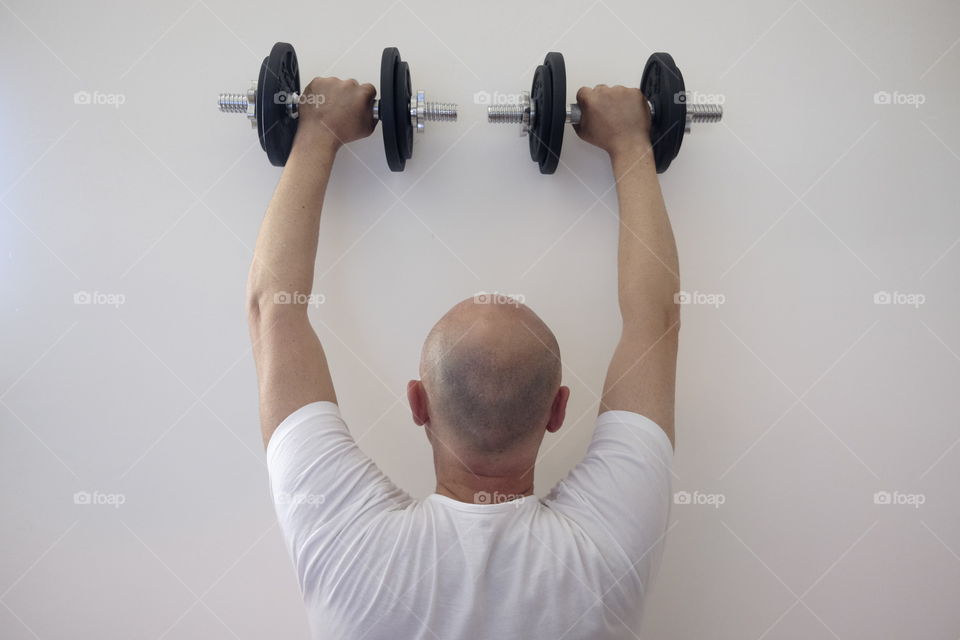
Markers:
point(491, 371)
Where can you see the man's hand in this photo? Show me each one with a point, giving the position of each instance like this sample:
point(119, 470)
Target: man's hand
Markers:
point(336, 111)
point(614, 118)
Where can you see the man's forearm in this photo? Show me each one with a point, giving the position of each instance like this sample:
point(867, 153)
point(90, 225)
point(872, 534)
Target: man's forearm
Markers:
point(285, 255)
point(648, 266)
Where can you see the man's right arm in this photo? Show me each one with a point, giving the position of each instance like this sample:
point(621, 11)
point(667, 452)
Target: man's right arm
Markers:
point(642, 374)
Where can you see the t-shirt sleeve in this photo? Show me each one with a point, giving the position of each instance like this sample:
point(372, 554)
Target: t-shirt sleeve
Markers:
point(323, 485)
point(619, 494)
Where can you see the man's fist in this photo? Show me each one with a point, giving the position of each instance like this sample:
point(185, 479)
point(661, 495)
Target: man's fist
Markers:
point(614, 118)
point(335, 109)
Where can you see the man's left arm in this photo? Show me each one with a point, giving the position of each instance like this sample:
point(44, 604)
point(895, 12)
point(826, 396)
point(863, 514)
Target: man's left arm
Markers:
point(291, 365)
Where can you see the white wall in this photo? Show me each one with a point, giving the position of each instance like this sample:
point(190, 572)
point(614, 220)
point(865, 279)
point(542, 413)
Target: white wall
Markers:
point(799, 398)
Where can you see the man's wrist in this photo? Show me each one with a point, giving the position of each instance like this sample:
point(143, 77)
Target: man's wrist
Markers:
point(315, 141)
point(632, 157)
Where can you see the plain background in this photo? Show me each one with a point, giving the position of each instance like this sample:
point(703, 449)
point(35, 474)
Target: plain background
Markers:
point(799, 397)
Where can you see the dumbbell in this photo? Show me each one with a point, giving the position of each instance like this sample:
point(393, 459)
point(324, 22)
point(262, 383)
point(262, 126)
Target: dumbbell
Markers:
point(543, 110)
point(271, 106)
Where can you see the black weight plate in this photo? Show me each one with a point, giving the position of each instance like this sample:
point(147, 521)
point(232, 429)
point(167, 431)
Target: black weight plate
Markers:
point(402, 93)
point(558, 111)
point(662, 84)
point(279, 77)
point(540, 89)
point(389, 62)
point(542, 101)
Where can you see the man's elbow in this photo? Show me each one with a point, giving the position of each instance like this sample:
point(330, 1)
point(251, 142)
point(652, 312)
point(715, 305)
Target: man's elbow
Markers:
point(255, 293)
point(263, 294)
point(263, 297)
point(267, 305)
point(660, 312)
point(254, 314)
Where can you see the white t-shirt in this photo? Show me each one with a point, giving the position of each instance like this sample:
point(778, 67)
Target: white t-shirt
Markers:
point(374, 563)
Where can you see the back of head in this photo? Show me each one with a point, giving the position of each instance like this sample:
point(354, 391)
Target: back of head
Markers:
point(490, 370)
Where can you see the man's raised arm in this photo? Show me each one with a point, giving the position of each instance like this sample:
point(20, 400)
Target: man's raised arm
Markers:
point(642, 374)
point(291, 366)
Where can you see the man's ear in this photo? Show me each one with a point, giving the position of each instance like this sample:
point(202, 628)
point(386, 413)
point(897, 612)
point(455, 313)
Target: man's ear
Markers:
point(559, 409)
point(418, 402)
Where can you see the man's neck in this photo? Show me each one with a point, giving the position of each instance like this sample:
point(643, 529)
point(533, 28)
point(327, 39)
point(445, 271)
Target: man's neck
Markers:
point(485, 489)
point(485, 493)
point(484, 478)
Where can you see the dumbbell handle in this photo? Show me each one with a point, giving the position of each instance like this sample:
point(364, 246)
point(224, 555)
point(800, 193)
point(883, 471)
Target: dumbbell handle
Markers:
point(420, 110)
point(522, 113)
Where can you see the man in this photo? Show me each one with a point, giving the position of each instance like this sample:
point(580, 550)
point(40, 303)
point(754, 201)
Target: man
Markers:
point(482, 557)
